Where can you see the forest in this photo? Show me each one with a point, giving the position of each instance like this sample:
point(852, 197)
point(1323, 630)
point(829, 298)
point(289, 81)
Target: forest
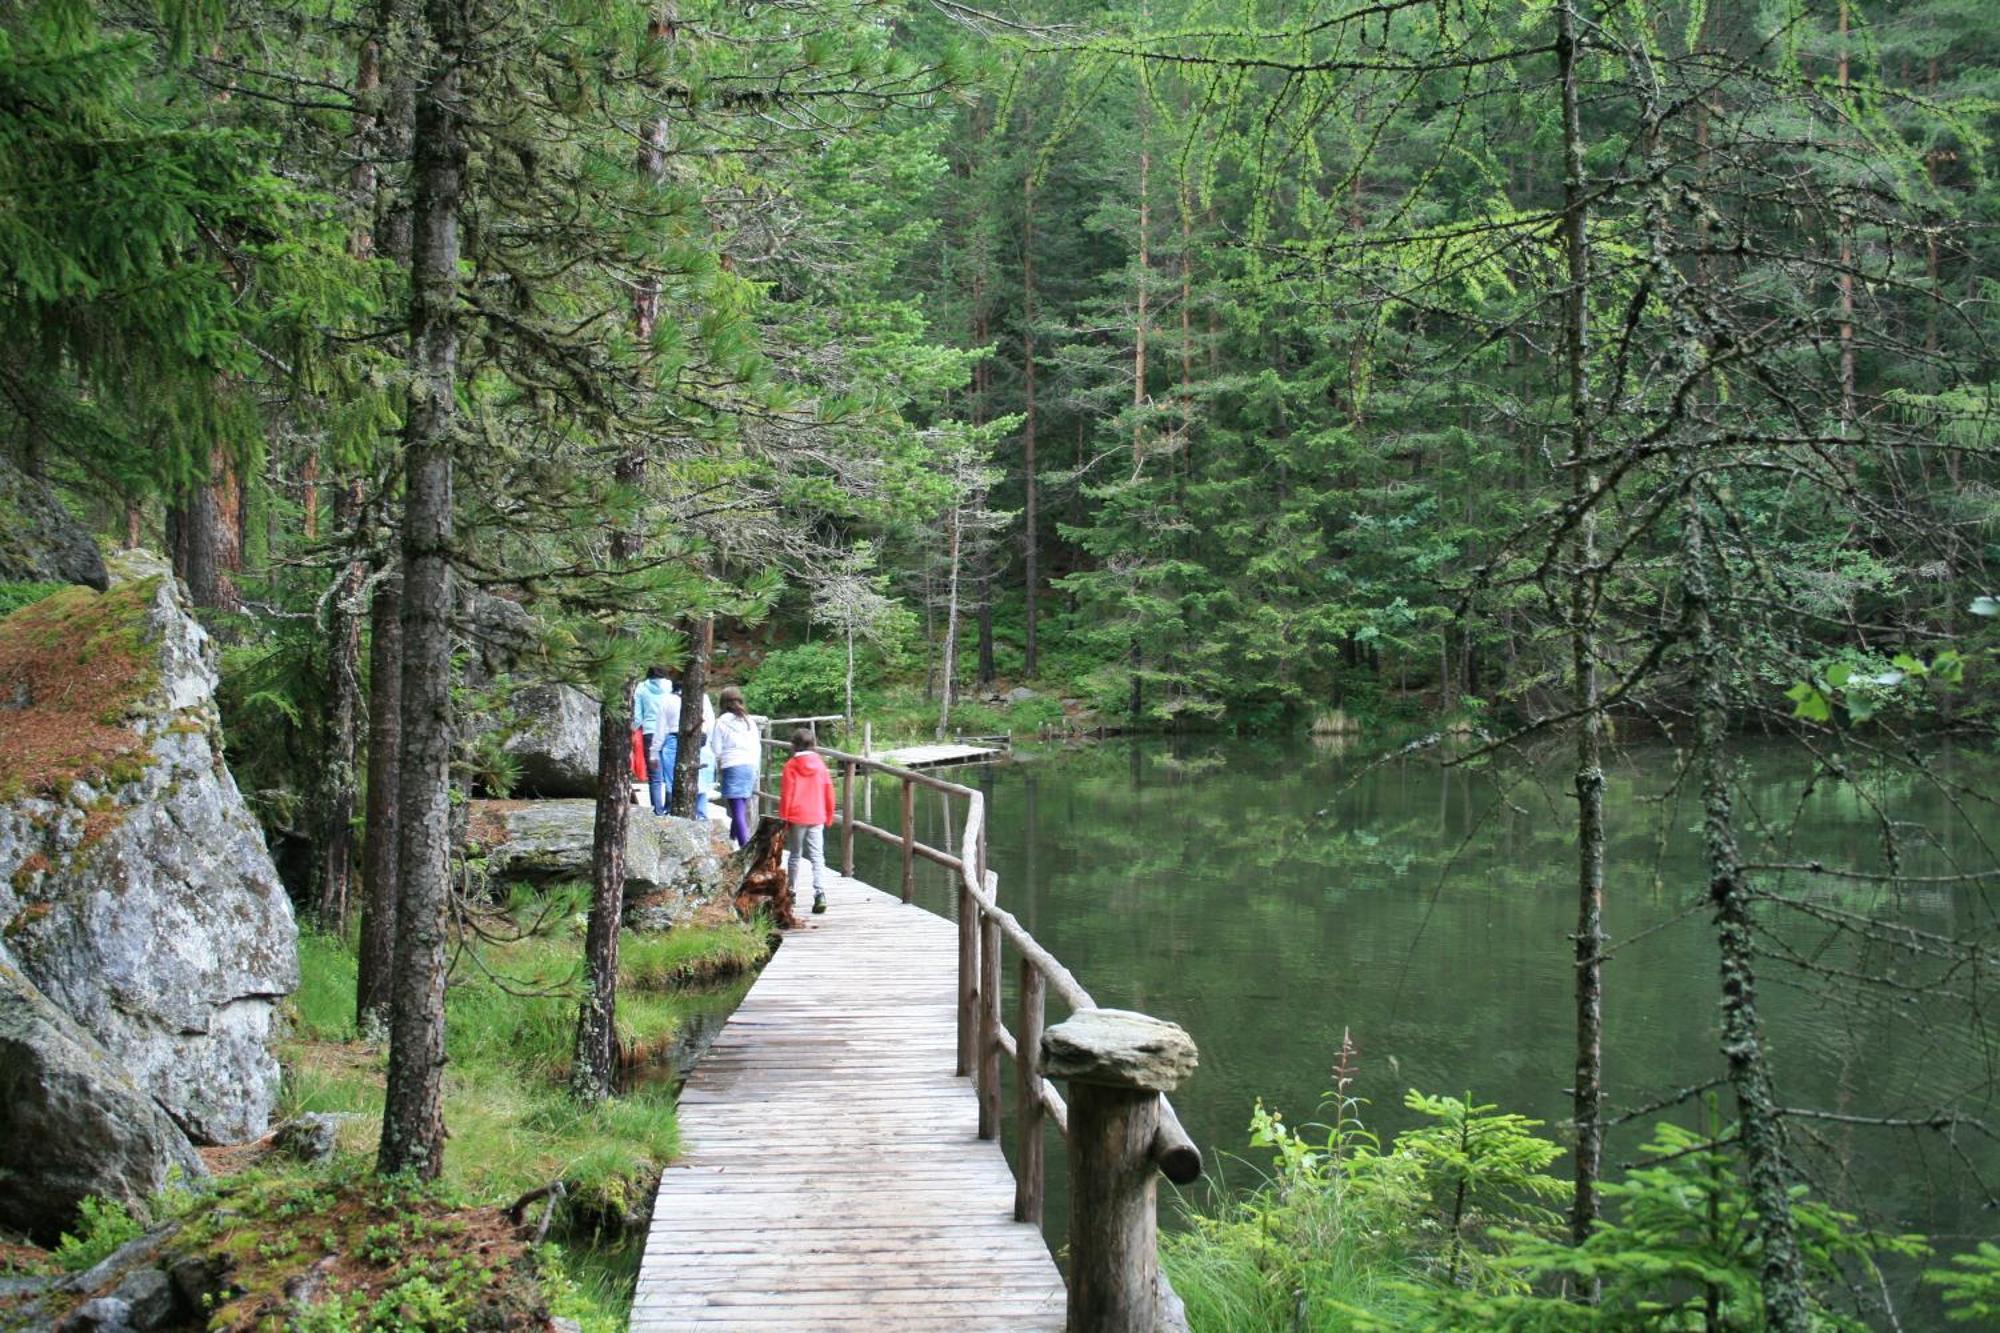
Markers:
point(1481, 381)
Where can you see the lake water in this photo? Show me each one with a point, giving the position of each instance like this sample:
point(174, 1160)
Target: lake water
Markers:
point(1271, 897)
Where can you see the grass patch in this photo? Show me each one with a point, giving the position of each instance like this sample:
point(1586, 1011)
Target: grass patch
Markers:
point(510, 1018)
point(322, 1009)
point(685, 957)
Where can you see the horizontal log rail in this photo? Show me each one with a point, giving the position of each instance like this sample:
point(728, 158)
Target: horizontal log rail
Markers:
point(986, 931)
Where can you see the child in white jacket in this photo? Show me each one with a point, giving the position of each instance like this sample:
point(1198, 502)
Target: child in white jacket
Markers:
point(737, 755)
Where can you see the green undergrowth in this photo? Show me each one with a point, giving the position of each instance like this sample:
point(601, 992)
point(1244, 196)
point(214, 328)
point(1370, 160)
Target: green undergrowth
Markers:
point(334, 1248)
point(510, 1016)
point(1455, 1223)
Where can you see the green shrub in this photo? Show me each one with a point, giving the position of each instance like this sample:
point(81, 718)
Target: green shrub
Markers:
point(1031, 715)
point(1972, 1288)
point(102, 1226)
point(801, 681)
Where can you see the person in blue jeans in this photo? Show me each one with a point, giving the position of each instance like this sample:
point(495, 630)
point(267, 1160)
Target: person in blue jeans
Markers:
point(656, 711)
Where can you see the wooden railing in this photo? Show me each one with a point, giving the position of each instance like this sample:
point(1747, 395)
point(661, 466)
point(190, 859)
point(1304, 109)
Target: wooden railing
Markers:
point(984, 930)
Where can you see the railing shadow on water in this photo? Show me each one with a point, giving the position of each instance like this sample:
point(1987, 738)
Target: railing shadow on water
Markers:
point(1114, 1278)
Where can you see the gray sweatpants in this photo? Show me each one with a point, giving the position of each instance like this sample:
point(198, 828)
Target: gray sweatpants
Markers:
point(805, 842)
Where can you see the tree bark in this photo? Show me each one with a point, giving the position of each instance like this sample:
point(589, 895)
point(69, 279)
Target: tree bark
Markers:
point(332, 873)
point(386, 137)
point(1587, 1094)
point(1847, 409)
point(205, 537)
point(1781, 1273)
point(379, 847)
point(1030, 552)
point(949, 667)
point(986, 671)
point(413, 1111)
point(694, 687)
point(593, 1069)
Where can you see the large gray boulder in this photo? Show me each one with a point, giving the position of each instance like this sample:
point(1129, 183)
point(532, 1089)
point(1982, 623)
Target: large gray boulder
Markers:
point(39, 541)
point(135, 888)
point(72, 1120)
point(554, 741)
point(672, 866)
point(501, 637)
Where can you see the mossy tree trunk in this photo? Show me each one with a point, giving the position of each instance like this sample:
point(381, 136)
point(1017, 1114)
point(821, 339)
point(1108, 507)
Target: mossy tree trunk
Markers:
point(1781, 1273)
point(413, 1113)
point(333, 805)
point(379, 846)
point(694, 687)
point(1587, 1088)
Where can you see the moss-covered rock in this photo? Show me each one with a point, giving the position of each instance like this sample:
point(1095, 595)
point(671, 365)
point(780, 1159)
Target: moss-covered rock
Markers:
point(39, 541)
point(135, 888)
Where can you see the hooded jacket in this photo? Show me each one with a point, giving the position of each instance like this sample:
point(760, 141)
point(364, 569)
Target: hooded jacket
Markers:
point(805, 791)
point(655, 707)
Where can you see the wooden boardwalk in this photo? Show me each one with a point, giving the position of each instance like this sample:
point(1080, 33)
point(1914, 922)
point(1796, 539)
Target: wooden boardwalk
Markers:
point(935, 756)
point(832, 1176)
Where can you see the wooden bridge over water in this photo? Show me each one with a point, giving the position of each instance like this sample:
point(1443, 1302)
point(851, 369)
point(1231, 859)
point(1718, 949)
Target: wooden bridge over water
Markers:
point(841, 1162)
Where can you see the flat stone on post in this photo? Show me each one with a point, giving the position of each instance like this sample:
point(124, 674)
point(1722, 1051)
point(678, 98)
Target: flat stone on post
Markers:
point(1117, 1064)
point(1116, 1048)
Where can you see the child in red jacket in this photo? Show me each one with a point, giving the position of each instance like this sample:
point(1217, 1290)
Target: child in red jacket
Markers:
point(805, 803)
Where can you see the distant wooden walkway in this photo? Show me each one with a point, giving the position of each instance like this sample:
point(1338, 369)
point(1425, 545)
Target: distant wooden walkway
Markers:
point(832, 1175)
point(934, 756)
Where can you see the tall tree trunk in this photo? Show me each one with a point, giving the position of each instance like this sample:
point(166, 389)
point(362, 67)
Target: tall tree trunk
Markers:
point(1030, 544)
point(309, 480)
point(380, 843)
point(413, 1111)
point(1138, 699)
point(205, 537)
point(594, 1065)
point(694, 688)
point(949, 668)
point(1140, 295)
point(986, 671)
point(387, 136)
point(1587, 1095)
point(1846, 265)
point(332, 873)
point(1781, 1273)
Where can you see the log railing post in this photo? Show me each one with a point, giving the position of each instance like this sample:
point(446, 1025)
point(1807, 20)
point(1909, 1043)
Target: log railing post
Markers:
point(978, 854)
point(847, 819)
point(968, 976)
point(1117, 1065)
point(1028, 1110)
point(989, 1027)
point(909, 839)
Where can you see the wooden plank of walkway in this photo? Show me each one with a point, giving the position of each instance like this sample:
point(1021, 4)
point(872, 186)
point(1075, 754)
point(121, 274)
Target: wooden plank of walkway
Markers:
point(930, 756)
point(832, 1175)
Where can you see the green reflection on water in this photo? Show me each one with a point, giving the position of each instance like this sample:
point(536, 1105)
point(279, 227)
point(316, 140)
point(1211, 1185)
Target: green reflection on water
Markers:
point(1269, 896)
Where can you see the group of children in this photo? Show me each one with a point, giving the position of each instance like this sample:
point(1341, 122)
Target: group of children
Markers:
point(730, 745)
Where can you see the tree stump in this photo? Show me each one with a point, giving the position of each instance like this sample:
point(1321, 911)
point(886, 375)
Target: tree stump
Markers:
point(763, 867)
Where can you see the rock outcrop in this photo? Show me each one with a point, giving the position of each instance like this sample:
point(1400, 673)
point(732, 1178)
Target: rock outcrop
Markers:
point(135, 889)
point(39, 541)
point(554, 741)
point(500, 636)
point(672, 866)
point(72, 1122)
